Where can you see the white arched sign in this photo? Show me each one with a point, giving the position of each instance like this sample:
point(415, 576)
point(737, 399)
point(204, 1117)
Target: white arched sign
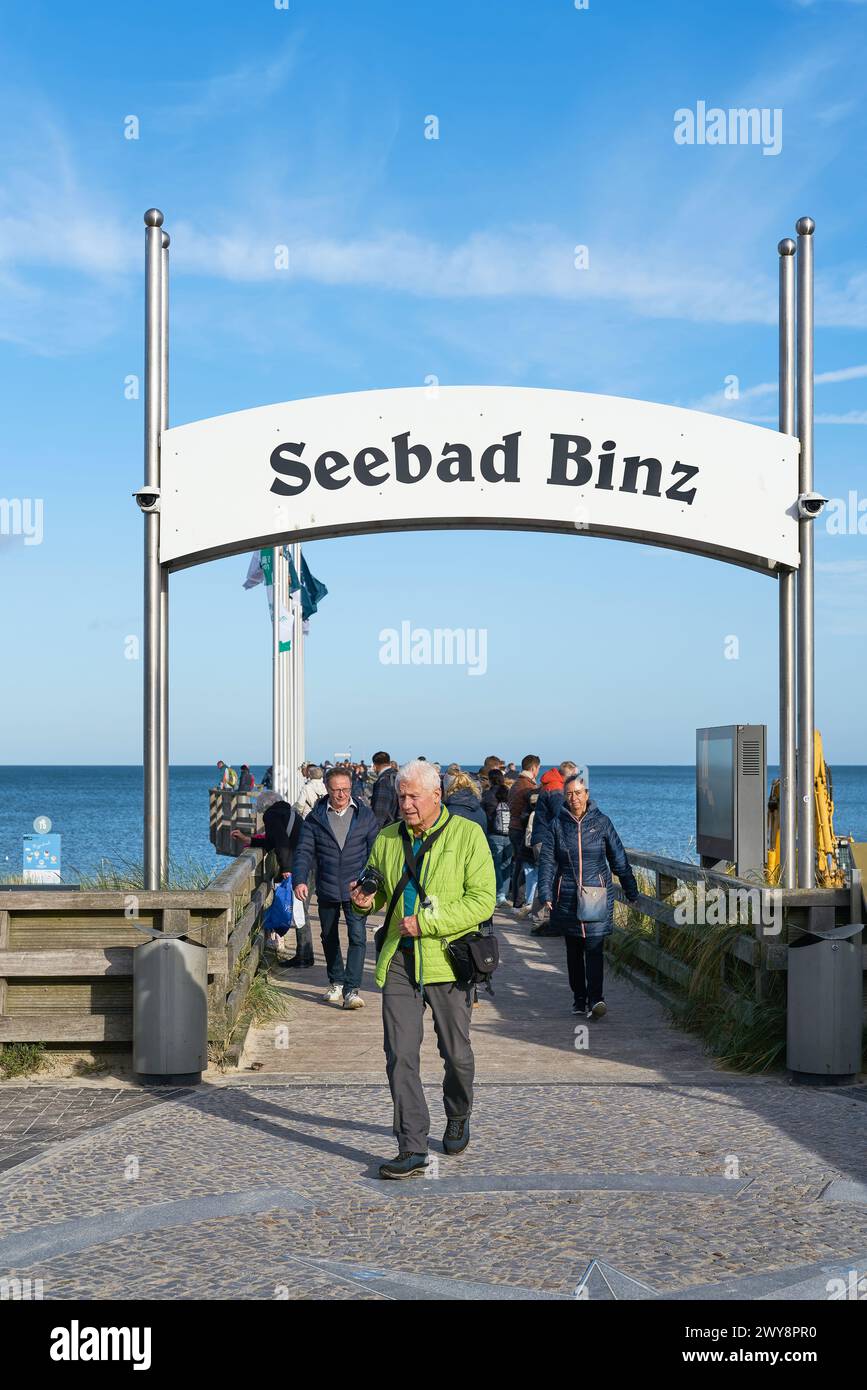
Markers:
point(479, 456)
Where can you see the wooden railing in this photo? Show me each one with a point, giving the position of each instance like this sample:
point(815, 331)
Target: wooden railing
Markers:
point(770, 918)
point(230, 811)
point(66, 957)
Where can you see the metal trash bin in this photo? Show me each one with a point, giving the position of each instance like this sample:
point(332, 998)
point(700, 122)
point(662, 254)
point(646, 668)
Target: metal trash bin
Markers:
point(825, 1005)
point(170, 1010)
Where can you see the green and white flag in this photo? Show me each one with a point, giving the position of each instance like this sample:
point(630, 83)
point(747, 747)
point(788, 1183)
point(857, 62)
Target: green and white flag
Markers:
point(260, 571)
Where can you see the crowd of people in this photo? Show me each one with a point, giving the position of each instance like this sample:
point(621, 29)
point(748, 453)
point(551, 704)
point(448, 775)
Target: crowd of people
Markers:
point(441, 849)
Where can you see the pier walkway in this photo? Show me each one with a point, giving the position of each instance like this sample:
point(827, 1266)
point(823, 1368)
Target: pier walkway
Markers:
point(678, 1180)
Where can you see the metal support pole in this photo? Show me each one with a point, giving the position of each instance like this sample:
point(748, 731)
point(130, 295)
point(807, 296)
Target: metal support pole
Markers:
point(164, 586)
point(152, 638)
point(788, 807)
point(278, 599)
point(806, 650)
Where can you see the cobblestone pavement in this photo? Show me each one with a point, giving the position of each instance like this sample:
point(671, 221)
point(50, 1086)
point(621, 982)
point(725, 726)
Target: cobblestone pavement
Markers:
point(270, 1191)
point(34, 1117)
point(634, 1152)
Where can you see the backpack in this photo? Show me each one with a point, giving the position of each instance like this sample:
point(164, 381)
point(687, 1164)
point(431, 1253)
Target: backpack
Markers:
point(502, 818)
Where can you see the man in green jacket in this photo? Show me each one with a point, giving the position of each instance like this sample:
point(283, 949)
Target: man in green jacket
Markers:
point(413, 966)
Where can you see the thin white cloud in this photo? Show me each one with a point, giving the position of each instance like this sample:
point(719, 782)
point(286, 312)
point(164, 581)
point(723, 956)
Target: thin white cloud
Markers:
point(850, 417)
point(717, 402)
point(533, 263)
point(50, 218)
point(246, 88)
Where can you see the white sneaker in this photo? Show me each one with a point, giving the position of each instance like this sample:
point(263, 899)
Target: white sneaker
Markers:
point(353, 1000)
point(334, 994)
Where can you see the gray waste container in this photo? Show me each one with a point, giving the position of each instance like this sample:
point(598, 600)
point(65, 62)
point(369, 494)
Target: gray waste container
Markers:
point(825, 1005)
point(170, 1010)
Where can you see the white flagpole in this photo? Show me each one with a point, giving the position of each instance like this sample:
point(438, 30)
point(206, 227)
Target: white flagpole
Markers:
point(302, 742)
point(276, 736)
point(288, 690)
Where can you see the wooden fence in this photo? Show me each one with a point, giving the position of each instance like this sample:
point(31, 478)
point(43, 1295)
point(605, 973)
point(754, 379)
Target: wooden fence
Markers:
point(66, 956)
point(230, 811)
point(770, 919)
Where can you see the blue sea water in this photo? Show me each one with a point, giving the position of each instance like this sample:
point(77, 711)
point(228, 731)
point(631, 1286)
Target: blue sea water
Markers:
point(97, 811)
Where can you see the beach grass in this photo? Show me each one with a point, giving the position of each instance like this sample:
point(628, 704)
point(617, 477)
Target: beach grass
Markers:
point(718, 1004)
point(127, 876)
point(21, 1059)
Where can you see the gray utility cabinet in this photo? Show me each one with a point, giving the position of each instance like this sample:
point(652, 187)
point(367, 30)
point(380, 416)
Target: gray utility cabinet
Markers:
point(825, 1004)
point(170, 1010)
point(731, 795)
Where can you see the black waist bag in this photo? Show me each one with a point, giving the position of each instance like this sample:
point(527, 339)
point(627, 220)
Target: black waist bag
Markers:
point(474, 958)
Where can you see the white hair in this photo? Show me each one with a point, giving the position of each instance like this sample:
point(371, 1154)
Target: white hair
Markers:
point(423, 770)
point(266, 799)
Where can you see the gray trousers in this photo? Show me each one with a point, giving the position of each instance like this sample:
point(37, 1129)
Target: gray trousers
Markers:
point(403, 1030)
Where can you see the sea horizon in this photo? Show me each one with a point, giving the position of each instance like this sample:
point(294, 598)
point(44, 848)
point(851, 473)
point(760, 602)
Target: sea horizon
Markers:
point(96, 808)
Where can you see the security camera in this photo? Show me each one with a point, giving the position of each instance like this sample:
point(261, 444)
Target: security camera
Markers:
point(810, 504)
point(148, 498)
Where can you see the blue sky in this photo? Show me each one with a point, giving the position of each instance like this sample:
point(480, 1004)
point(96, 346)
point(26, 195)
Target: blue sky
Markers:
point(410, 258)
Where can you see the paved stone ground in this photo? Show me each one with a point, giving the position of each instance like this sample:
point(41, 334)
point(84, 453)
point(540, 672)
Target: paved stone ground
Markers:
point(525, 1032)
point(32, 1118)
point(681, 1181)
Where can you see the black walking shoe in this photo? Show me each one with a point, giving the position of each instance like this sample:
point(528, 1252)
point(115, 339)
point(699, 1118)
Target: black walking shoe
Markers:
point(457, 1136)
point(406, 1165)
point(297, 962)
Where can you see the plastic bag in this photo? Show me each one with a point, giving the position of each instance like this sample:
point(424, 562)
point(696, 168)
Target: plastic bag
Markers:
point(279, 915)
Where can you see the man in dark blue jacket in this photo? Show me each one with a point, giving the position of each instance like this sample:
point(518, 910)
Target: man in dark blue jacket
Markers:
point(336, 839)
point(383, 796)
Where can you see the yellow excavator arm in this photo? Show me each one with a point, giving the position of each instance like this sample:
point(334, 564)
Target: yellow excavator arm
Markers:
point(829, 872)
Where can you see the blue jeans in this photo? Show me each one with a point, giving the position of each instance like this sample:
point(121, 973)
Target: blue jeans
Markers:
point(501, 851)
point(531, 878)
point(349, 976)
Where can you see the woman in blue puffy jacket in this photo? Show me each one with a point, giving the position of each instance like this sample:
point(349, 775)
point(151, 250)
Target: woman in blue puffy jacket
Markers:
point(583, 846)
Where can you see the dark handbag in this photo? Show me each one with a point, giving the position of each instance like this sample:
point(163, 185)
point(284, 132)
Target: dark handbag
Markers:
point(474, 957)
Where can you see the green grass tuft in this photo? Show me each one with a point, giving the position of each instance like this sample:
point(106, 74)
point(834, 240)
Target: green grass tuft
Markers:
point(21, 1058)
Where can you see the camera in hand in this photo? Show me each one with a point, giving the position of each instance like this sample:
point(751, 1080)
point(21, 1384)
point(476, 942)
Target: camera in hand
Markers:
point(370, 882)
